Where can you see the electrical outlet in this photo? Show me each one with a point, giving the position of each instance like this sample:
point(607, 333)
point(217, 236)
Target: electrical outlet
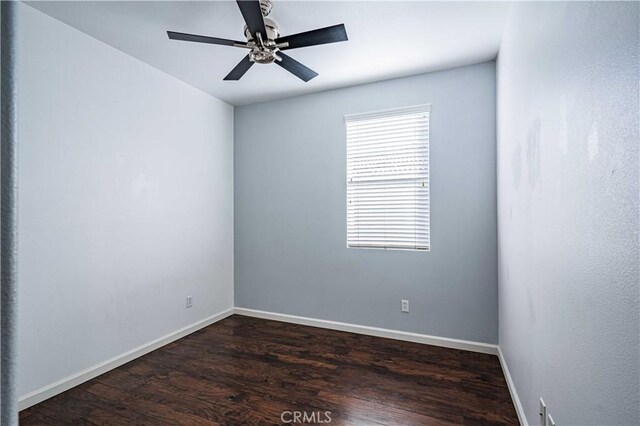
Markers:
point(405, 306)
point(189, 301)
point(542, 413)
point(550, 421)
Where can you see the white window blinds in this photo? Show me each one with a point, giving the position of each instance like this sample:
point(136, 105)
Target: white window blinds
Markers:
point(388, 179)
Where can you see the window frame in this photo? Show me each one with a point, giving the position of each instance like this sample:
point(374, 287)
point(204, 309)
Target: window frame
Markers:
point(381, 113)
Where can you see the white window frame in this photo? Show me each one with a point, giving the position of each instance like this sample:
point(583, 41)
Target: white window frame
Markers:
point(414, 178)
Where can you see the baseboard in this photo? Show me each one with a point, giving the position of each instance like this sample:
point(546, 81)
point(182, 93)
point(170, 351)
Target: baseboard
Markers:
point(67, 383)
point(426, 339)
point(512, 388)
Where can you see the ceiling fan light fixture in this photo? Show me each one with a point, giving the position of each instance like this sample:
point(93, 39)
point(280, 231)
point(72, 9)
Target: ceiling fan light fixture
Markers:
point(262, 56)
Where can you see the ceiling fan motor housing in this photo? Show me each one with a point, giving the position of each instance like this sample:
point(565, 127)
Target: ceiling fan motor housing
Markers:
point(265, 7)
point(272, 31)
point(265, 52)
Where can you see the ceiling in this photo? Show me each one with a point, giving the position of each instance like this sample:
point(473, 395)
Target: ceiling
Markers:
point(386, 40)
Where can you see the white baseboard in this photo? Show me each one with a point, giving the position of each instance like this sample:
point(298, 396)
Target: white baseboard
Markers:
point(67, 383)
point(512, 388)
point(426, 339)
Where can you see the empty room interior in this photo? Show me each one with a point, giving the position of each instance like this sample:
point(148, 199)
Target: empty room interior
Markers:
point(320, 212)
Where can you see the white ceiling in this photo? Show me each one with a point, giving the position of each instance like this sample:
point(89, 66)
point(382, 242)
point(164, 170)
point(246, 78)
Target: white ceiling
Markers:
point(386, 40)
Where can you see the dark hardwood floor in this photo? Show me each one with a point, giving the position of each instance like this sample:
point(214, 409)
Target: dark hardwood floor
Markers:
point(245, 371)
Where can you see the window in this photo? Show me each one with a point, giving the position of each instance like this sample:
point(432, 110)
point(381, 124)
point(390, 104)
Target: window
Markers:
point(388, 179)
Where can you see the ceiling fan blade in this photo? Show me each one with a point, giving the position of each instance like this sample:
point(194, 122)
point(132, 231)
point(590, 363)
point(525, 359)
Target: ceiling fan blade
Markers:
point(296, 68)
point(252, 15)
point(326, 35)
point(240, 69)
point(202, 39)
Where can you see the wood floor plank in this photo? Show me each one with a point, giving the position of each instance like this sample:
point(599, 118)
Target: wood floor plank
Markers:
point(247, 371)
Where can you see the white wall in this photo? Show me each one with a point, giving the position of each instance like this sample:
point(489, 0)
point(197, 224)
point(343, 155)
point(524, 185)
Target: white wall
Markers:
point(568, 209)
point(126, 202)
point(290, 196)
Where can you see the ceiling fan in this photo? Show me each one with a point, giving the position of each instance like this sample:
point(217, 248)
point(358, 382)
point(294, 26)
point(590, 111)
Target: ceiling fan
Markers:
point(265, 43)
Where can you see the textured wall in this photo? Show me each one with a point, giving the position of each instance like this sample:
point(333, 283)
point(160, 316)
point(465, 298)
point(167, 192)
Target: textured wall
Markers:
point(290, 205)
point(568, 209)
point(125, 206)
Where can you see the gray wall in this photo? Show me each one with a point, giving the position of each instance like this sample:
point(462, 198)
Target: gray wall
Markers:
point(125, 203)
point(290, 224)
point(568, 209)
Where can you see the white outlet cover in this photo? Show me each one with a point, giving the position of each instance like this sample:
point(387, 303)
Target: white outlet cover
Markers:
point(405, 306)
